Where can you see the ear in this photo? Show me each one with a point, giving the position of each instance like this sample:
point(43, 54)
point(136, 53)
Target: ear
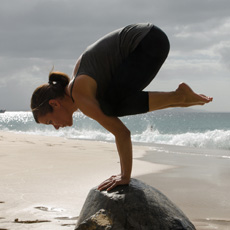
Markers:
point(54, 103)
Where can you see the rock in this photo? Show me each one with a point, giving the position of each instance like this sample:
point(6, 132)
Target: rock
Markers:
point(99, 221)
point(136, 206)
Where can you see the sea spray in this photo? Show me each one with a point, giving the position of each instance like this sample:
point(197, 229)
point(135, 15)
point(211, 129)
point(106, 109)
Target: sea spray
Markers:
point(217, 139)
point(200, 130)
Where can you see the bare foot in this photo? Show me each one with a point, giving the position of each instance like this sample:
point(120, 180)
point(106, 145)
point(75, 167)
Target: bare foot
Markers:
point(191, 98)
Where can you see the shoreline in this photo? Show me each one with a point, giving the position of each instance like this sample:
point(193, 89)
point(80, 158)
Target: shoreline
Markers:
point(199, 185)
point(48, 178)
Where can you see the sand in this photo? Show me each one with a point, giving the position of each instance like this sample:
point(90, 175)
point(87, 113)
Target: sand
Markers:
point(198, 183)
point(44, 180)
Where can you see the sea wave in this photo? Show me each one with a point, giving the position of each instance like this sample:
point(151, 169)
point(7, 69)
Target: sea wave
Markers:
point(208, 130)
point(218, 139)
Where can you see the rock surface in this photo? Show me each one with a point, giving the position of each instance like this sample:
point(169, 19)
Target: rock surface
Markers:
point(99, 221)
point(136, 206)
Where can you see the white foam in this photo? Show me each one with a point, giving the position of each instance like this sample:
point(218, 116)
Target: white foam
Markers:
point(85, 128)
point(219, 139)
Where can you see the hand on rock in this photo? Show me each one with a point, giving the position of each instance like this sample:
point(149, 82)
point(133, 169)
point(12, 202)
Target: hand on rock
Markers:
point(112, 182)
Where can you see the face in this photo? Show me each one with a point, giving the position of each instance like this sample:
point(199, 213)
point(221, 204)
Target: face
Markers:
point(59, 118)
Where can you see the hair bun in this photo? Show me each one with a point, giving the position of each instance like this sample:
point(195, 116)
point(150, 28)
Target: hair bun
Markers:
point(52, 82)
point(58, 78)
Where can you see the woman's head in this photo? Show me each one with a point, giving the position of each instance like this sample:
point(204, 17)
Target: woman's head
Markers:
point(54, 89)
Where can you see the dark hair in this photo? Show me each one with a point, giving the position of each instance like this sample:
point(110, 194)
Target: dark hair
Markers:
point(55, 88)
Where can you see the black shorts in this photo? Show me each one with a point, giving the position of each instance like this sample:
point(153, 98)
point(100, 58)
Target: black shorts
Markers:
point(125, 95)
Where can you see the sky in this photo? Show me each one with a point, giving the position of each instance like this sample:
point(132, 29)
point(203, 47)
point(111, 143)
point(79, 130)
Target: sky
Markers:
point(37, 35)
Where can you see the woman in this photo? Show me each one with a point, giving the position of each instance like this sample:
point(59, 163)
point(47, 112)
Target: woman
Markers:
point(108, 82)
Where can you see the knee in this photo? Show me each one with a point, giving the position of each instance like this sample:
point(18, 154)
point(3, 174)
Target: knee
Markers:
point(161, 44)
point(166, 47)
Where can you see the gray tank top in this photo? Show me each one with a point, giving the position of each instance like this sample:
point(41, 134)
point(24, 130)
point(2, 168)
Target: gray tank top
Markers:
point(101, 59)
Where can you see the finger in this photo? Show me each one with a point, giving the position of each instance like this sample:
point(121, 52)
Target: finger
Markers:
point(105, 182)
point(116, 183)
point(105, 185)
point(112, 186)
point(108, 180)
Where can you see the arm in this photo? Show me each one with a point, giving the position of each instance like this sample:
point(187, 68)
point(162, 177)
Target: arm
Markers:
point(123, 142)
point(85, 91)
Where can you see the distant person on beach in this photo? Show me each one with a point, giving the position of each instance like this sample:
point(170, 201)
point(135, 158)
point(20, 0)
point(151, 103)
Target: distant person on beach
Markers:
point(107, 83)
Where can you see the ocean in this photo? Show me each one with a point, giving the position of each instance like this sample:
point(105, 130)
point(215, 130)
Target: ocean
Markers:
point(171, 127)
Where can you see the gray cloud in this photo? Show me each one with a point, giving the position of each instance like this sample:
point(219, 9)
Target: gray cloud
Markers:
point(225, 55)
point(35, 35)
point(56, 29)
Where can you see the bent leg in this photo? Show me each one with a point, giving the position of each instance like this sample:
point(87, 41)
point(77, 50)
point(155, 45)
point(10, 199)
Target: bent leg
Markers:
point(133, 104)
point(124, 95)
point(183, 96)
point(143, 102)
point(142, 65)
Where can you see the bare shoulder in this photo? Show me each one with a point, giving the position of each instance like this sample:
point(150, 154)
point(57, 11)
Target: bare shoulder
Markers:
point(83, 85)
point(84, 94)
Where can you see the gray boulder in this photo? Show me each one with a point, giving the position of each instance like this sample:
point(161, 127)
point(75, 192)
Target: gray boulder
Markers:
point(136, 206)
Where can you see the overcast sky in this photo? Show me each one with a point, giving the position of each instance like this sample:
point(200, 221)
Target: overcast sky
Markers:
point(36, 35)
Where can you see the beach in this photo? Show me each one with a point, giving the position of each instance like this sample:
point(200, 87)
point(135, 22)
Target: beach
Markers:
point(45, 180)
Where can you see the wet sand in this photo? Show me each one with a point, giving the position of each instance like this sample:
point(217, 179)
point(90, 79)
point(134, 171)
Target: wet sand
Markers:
point(199, 183)
point(45, 180)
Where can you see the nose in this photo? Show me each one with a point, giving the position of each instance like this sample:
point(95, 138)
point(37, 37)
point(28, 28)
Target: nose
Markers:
point(56, 127)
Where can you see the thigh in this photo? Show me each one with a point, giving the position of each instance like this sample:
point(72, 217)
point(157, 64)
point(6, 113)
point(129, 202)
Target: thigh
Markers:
point(141, 67)
point(124, 95)
point(135, 103)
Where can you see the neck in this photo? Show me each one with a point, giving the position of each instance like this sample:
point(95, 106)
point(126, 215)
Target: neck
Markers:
point(69, 101)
